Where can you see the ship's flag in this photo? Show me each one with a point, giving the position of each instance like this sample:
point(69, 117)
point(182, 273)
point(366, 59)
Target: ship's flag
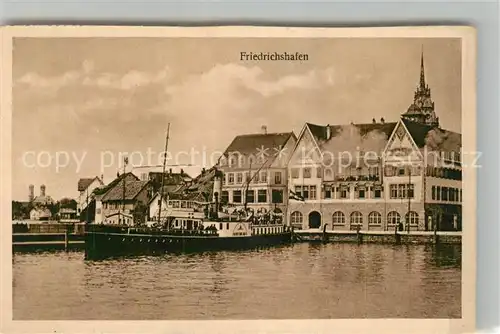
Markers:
point(295, 196)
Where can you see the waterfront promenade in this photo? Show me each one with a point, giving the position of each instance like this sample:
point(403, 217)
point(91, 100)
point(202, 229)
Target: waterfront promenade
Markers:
point(363, 236)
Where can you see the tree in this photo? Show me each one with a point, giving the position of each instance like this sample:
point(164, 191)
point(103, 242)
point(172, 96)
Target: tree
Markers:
point(67, 203)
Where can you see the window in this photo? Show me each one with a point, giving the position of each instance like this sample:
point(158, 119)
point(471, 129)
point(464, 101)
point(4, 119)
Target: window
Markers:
point(393, 218)
point(319, 172)
point(373, 171)
point(232, 162)
point(338, 218)
point(312, 192)
point(401, 171)
point(343, 193)
point(328, 174)
point(277, 196)
point(389, 171)
point(394, 191)
point(239, 178)
point(438, 193)
point(411, 190)
point(433, 192)
point(356, 218)
point(225, 196)
point(361, 193)
point(306, 172)
point(305, 192)
point(263, 177)
point(460, 195)
point(295, 173)
point(401, 191)
point(227, 226)
point(250, 196)
point(220, 226)
point(230, 178)
point(374, 218)
point(236, 196)
point(444, 193)
point(296, 218)
point(451, 193)
point(256, 177)
point(277, 178)
point(328, 192)
point(412, 218)
point(262, 196)
point(298, 190)
point(378, 193)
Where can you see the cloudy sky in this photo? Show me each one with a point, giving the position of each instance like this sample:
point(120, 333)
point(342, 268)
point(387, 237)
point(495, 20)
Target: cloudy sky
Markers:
point(87, 99)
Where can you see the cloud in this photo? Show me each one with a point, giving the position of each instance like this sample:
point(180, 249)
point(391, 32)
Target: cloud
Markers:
point(87, 76)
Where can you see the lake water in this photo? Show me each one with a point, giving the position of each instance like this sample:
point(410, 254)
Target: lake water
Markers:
point(298, 281)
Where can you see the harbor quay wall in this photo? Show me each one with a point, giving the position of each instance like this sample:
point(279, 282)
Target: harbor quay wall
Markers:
point(416, 238)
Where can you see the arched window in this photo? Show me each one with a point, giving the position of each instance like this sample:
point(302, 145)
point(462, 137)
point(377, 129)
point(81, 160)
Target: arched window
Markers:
point(393, 218)
point(374, 218)
point(296, 218)
point(412, 217)
point(338, 218)
point(356, 218)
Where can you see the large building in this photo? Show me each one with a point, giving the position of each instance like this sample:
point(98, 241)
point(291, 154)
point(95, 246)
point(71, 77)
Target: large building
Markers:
point(254, 171)
point(378, 176)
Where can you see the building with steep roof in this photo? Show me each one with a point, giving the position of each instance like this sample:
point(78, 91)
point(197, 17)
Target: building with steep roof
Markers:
point(378, 176)
point(85, 202)
point(125, 198)
point(254, 171)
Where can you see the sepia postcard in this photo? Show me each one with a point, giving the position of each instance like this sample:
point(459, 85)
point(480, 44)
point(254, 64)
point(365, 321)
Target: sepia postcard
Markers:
point(238, 179)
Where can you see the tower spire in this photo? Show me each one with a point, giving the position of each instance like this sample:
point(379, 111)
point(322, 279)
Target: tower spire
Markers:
point(422, 70)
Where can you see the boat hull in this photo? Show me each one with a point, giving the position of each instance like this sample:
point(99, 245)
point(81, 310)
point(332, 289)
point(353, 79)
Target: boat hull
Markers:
point(110, 244)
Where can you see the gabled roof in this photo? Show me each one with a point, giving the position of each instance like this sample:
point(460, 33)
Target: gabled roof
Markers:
point(320, 132)
point(254, 143)
point(103, 190)
point(435, 138)
point(124, 190)
point(84, 183)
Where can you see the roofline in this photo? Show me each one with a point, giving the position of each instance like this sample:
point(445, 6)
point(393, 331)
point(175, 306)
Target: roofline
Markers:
point(142, 188)
point(256, 134)
point(415, 146)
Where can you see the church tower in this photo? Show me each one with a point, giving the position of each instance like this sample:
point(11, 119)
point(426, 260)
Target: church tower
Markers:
point(422, 108)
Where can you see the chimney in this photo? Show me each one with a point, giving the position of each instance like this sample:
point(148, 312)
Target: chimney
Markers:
point(382, 120)
point(328, 132)
point(31, 193)
point(374, 121)
point(42, 190)
point(264, 129)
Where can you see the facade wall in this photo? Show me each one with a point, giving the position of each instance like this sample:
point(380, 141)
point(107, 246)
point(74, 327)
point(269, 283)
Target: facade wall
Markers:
point(269, 180)
point(82, 197)
point(327, 209)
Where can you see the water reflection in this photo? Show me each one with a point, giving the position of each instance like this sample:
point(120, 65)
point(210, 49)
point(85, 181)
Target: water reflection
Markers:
point(299, 281)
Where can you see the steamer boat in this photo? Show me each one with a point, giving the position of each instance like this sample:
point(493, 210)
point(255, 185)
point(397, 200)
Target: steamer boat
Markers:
point(188, 222)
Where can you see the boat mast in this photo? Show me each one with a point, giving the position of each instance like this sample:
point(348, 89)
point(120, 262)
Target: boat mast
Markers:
point(163, 173)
